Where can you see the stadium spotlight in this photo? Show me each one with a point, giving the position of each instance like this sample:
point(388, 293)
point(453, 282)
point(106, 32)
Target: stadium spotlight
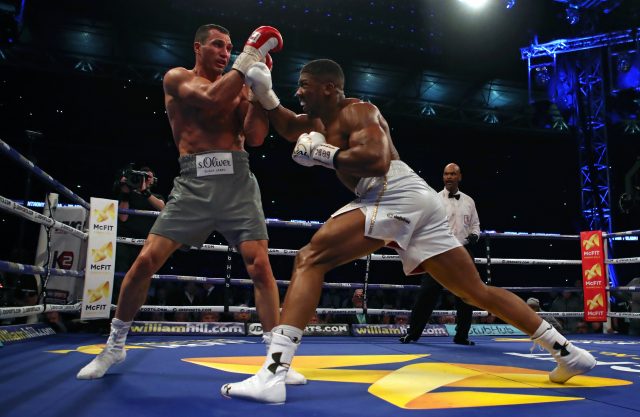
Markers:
point(542, 76)
point(474, 4)
point(428, 110)
point(624, 63)
point(573, 15)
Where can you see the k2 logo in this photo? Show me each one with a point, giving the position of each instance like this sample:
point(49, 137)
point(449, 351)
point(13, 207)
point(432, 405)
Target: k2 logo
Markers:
point(63, 261)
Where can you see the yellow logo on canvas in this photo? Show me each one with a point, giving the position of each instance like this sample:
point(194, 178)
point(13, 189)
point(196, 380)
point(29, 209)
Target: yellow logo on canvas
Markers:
point(426, 385)
point(595, 302)
point(594, 240)
point(108, 212)
point(594, 272)
point(100, 254)
point(98, 293)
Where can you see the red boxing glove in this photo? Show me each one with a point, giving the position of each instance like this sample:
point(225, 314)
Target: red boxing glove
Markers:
point(268, 61)
point(257, 47)
point(265, 39)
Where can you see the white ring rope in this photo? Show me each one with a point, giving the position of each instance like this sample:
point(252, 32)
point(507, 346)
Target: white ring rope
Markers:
point(526, 235)
point(622, 261)
point(619, 234)
point(26, 213)
point(630, 289)
point(17, 268)
point(10, 312)
point(505, 261)
point(377, 257)
point(624, 315)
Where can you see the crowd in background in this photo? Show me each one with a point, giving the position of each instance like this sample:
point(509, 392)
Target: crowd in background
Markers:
point(167, 293)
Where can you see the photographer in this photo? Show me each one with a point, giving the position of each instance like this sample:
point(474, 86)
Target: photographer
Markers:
point(133, 190)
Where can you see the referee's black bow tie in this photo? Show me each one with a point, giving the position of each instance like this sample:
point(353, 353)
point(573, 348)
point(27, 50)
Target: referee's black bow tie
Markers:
point(456, 196)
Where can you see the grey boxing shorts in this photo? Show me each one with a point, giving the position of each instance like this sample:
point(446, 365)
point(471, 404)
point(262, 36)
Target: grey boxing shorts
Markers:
point(215, 191)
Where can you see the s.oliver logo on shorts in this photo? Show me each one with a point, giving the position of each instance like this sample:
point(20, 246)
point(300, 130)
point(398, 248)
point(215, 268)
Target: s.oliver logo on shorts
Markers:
point(214, 163)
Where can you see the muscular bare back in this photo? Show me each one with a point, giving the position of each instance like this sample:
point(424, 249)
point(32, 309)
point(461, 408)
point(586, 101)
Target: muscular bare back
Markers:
point(197, 126)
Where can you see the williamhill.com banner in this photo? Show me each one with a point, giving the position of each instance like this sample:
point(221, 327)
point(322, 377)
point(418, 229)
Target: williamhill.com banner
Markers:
point(22, 332)
point(594, 281)
point(173, 328)
point(395, 330)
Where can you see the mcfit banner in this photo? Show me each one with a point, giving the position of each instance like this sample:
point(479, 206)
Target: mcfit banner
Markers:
point(594, 282)
point(101, 255)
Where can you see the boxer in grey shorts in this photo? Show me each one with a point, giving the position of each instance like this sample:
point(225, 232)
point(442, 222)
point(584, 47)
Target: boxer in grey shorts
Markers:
point(212, 121)
point(224, 198)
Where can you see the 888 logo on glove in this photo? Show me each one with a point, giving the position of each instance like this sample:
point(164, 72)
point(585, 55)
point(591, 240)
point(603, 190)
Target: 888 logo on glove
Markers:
point(322, 154)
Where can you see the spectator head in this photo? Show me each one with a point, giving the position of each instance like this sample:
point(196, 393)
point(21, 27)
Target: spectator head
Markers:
point(191, 288)
point(358, 298)
point(582, 327)
point(209, 317)
point(387, 318)
point(181, 316)
point(534, 303)
point(314, 319)
point(490, 319)
point(567, 294)
point(53, 316)
point(242, 316)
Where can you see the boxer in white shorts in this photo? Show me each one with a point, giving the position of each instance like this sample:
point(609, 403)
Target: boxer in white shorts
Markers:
point(405, 213)
point(396, 207)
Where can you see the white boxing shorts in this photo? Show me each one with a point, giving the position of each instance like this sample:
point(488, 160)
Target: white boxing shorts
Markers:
point(406, 213)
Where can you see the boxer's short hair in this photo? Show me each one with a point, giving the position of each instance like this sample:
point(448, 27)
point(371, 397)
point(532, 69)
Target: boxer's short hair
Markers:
point(203, 32)
point(325, 70)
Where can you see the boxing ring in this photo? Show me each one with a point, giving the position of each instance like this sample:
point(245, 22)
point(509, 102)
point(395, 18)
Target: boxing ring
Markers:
point(180, 370)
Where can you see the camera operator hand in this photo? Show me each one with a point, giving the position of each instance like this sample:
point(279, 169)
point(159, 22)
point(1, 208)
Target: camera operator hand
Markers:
point(145, 191)
point(121, 190)
point(124, 188)
point(133, 187)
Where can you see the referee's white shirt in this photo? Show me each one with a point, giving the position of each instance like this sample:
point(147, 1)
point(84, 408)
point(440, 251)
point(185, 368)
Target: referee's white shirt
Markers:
point(462, 215)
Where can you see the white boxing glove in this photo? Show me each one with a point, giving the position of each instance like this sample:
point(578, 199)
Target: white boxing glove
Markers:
point(258, 78)
point(312, 149)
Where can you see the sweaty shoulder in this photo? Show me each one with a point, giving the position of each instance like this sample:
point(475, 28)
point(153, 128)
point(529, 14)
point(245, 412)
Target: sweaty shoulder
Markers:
point(356, 112)
point(175, 76)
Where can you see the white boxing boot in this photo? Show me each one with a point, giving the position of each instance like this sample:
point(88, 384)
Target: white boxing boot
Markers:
point(571, 359)
point(268, 385)
point(293, 377)
point(113, 352)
